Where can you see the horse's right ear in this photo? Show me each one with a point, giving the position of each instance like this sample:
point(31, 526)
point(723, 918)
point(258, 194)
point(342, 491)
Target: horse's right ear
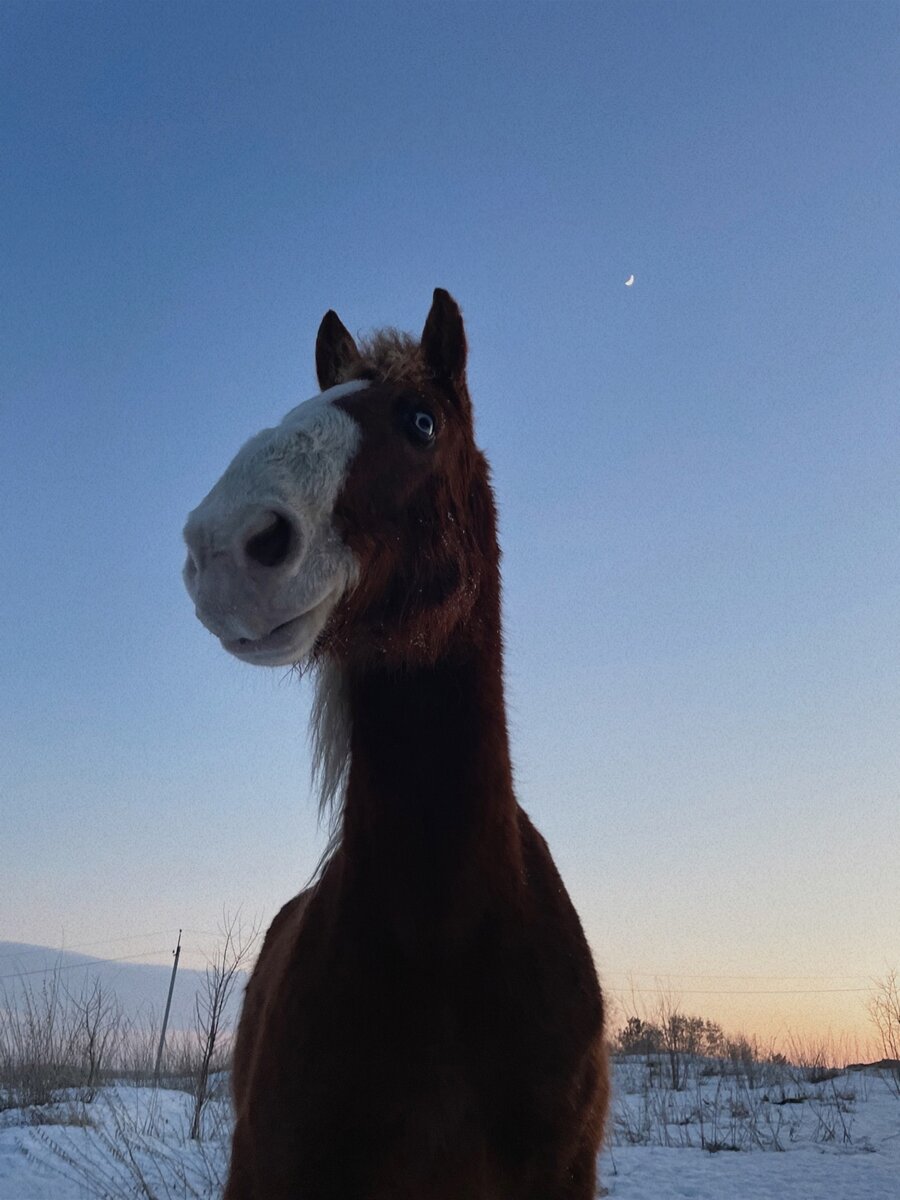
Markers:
point(336, 351)
point(444, 339)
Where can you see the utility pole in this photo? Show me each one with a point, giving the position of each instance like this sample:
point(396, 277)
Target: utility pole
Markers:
point(162, 1036)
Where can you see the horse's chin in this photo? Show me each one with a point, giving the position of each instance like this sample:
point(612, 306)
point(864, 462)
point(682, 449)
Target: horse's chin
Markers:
point(289, 644)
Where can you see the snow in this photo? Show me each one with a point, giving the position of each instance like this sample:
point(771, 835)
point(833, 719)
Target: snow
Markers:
point(840, 1140)
point(656, 1173)
point(133, 1134)
point(780, 1135)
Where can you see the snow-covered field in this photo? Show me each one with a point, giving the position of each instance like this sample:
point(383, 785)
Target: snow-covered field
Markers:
point(769, 1135)
point(128, 1142)
point(762, 1133)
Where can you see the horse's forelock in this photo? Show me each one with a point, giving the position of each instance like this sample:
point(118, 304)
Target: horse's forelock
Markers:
point(389, 356)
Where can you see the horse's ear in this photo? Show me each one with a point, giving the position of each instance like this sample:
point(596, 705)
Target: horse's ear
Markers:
point(336, 351)
point(444, 339)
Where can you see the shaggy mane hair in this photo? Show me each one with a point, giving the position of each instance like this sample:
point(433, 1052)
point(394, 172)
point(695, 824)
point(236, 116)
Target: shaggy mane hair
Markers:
point(389, 356)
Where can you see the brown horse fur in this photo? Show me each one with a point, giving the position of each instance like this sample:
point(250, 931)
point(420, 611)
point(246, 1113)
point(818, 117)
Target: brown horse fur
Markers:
point(425, 1022)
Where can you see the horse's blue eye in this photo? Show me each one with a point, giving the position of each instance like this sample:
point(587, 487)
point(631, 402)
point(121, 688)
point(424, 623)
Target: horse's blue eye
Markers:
point(423, 426)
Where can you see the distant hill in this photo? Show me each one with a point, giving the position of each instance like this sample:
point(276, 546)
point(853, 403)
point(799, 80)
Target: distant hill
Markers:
point(140, 987)
point(883, 1064)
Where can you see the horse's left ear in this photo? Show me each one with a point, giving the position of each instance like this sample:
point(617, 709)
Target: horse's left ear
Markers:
point(444, 339)
point(336, 351)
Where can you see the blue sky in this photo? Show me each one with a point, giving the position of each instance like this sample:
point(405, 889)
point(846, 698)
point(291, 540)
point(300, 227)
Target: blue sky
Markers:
point(697, 476)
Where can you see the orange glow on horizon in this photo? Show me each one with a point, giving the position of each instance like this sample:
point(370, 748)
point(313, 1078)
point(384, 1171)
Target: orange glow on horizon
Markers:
point(801, 1018)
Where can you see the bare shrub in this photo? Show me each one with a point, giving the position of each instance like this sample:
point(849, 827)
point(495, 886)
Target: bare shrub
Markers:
point(74, 1114)
point(134, 1054)
point(231, 958)
point(884, 1012)
point(673, 1042)
point(660, 1118)
point(638, 1037)
point(134, 1152)
point(53, 1038)
point(832, 1111)
point(38, 1054)
point(754, 1064)
point(97, 1025)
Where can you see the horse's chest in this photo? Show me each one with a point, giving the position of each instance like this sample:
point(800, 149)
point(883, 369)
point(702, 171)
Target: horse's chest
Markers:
point(375, 1076)
point(456, 1068)
point(424, 1054)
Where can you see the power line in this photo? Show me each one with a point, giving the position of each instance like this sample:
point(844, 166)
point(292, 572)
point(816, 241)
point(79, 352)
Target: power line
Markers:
point(91, 962)
point(665, 975)
point(738, 991)
point(80, 945)
point(662, 976)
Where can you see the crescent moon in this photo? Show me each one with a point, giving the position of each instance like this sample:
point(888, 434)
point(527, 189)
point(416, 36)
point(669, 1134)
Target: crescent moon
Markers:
point(629, 281)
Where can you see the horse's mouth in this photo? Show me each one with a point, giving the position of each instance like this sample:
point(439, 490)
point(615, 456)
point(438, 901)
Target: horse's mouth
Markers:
point(288, 642)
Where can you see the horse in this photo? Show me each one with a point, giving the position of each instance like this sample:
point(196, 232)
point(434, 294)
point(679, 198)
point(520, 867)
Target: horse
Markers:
point(424, 1022)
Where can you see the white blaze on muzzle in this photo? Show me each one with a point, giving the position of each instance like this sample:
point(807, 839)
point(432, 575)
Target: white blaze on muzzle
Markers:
point(265, 564)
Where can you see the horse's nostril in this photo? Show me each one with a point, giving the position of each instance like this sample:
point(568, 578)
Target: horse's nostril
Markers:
point(271, 546)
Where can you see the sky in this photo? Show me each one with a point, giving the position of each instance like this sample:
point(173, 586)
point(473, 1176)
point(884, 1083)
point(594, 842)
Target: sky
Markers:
point(696, 475)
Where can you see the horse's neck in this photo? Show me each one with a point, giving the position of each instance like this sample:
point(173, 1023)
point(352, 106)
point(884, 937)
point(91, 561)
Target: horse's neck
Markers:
point(430, 821)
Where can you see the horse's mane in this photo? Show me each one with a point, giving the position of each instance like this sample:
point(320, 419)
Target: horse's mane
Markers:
point(389, 356)
point(329, 735)
point(386, 356)
point(330, 744)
